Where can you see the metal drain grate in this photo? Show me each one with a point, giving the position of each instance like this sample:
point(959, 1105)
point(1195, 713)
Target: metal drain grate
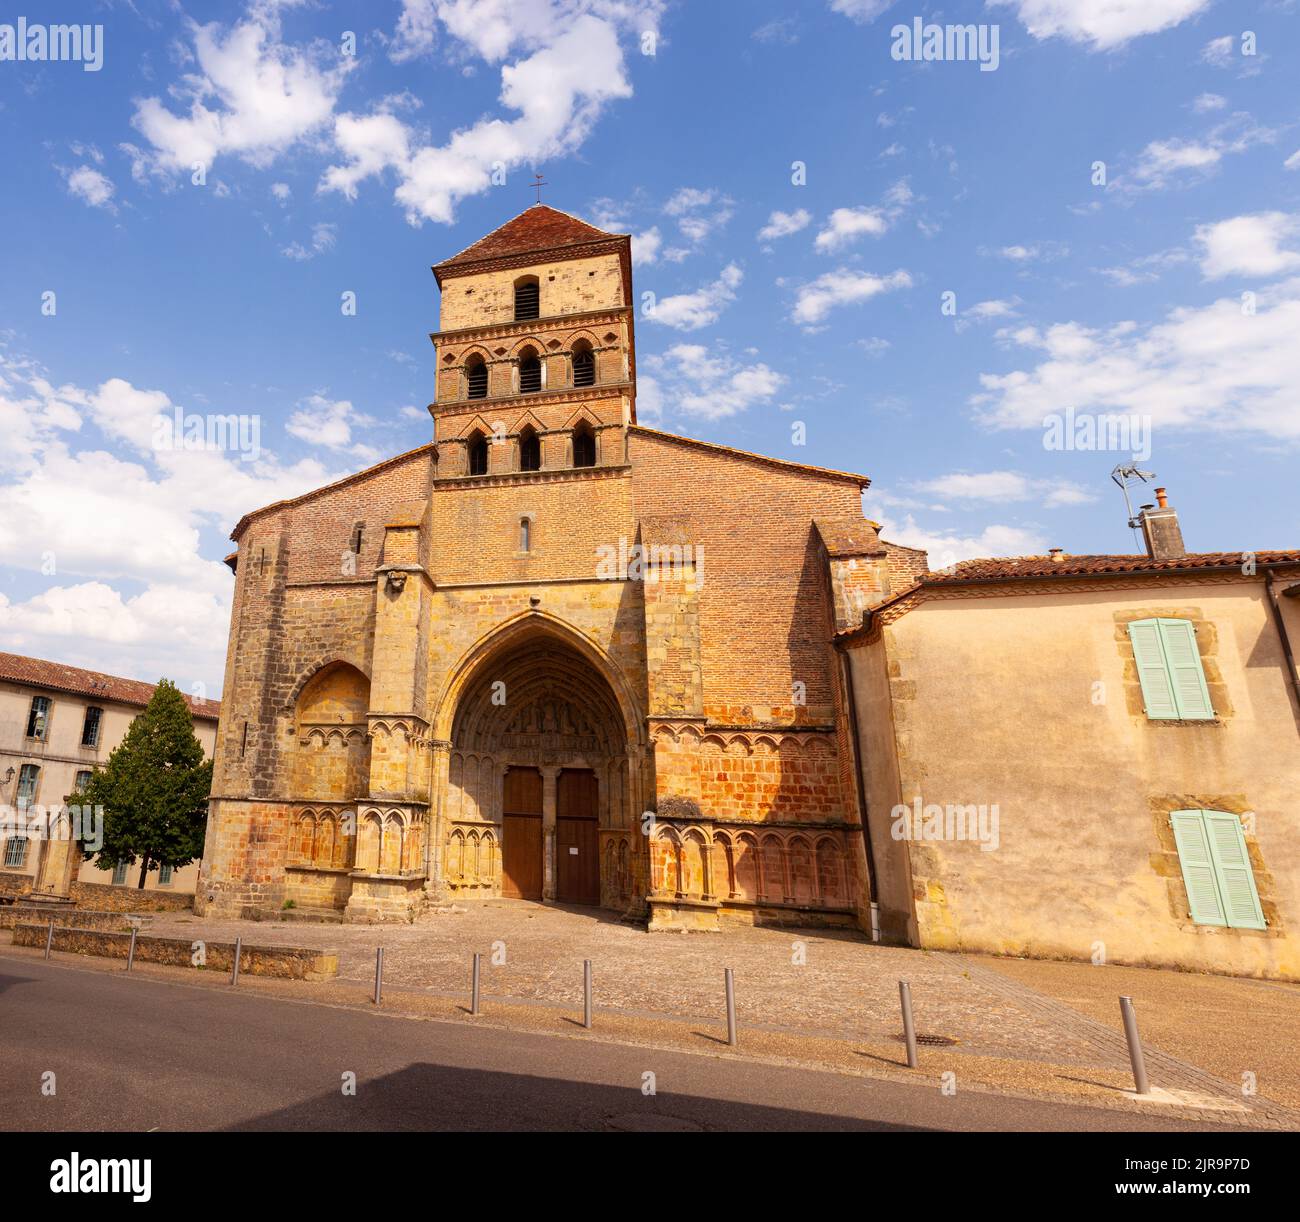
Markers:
point(931, 1041)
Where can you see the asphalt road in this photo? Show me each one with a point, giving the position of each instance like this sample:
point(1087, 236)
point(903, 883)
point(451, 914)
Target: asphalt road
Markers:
point(135, 1054)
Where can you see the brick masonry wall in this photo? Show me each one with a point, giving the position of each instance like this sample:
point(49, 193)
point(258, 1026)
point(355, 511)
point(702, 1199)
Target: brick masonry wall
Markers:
point(100, 898)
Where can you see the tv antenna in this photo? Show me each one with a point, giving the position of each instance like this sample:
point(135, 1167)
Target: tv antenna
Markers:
point(1123, 475)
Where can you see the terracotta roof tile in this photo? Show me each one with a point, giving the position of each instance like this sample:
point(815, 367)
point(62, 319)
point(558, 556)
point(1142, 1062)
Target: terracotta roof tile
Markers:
point(36, 672)
point(540, 227)
point(1045, 566)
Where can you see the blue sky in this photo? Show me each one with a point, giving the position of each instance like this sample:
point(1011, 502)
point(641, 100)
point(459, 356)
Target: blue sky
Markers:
point(781, 311)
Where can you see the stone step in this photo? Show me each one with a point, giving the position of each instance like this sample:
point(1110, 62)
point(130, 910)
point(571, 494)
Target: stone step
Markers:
point(322, 916)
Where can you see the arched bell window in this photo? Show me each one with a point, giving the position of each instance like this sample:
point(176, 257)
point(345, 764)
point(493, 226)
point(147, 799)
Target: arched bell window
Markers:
point(476, 377)
point(527, 298)
point(530, 372)
point(584, 364)
point(478, 453)
point(530, 450)
point(584, 446)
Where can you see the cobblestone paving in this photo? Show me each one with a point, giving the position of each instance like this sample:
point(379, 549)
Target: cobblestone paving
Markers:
point(846, 987)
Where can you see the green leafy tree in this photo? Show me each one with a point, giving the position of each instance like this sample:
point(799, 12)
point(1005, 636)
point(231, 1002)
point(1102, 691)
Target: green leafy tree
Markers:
point(154, 789)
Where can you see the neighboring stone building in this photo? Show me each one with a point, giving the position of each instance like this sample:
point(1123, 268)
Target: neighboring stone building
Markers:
point(1121, 732)
point(57, 724)
point(450, 677)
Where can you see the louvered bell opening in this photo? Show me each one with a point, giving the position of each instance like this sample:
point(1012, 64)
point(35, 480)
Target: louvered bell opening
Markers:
point(527, 300)
point(476, 379)
point(530, 376)
point(584, 368)
point(478, 455)
point(584, 449)
point(530, 451)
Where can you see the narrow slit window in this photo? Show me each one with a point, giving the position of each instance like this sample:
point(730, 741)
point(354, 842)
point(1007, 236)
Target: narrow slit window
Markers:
point(525, 535)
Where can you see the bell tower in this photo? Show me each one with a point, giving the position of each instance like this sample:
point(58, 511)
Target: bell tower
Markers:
point(535, 351)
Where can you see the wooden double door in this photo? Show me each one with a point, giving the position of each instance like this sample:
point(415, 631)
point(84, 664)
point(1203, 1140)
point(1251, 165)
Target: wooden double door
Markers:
point(577, 840)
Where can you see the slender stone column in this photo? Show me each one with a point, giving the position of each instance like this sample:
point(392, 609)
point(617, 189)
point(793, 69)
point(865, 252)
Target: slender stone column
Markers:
point(549, 777)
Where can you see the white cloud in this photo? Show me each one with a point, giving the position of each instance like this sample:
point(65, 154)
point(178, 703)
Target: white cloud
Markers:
point(1207, 102)
point(691, 311)
point(330, 423)
point(1146, 269)
point(645, 247)
point(1166, 163)
point(844, 286)
point(987, 311)
point(323, 237)
point(846, 225)
point(783, 224)
point(692, 380)
point(699, 213)
point(1004, 486)
point(1248, 245)
point(1293, 162)
point(109, 519)
point(251, 96)
point(945, 548)
point(861, 10)
point(88, 184)
point(1218, 51)
point(1213, 367)
point(1019, 254)
point(417, 31)
point(282, 191)
point(558, 92)
point(1103, 24)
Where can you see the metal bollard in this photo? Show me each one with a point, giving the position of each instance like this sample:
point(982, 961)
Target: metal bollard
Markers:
point(473, 993)
point(49, 938)
point(234, 971)
point(586, 993)
point(379, 974)
point(130, 954)
point(909, 1028)
point(1136, 1059)
point(730, 977)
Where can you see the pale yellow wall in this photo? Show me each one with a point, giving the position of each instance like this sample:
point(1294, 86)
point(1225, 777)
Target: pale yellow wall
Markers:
point(61, 756)
point(567, 286)
point(1029, 703)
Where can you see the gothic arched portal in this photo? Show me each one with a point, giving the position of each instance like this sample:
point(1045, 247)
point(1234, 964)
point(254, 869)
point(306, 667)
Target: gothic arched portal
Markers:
point(542, 758)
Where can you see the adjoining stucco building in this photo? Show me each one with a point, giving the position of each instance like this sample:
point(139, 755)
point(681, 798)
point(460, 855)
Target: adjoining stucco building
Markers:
point(57, 724)
point(1089, 757)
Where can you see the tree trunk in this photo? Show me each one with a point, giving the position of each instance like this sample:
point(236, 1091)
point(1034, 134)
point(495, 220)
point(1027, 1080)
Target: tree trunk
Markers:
point(144, 872)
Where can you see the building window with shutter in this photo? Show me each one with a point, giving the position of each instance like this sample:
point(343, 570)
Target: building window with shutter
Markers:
point(164, 876)
point(15, 852)
point(1169, 669)
point(38, 719)
point(584, 364)
point(29, 776)
point(119, 874)
point(83, 779)
point(530, 449)
point(1216, 869)
point(90, 727)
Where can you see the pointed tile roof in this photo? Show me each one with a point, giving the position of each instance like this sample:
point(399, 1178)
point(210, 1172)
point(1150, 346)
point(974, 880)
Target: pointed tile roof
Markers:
point(55, 676)
point(538, 228)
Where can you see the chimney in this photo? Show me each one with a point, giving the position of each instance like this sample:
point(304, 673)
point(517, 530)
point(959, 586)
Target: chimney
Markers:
point(1057, 554)
point(1164, 538)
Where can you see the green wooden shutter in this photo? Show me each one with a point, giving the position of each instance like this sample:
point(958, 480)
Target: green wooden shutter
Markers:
point(1192, 697)
point(1199, 871)
point(1153, 671)
point(1232, 865)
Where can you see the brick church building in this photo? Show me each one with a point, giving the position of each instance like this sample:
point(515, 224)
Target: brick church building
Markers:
point(554, 654)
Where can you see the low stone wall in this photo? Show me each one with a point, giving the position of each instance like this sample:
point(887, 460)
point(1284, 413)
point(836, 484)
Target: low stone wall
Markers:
point(15, 884)
point(69, 918)
point(101, 897)
point(287, 962)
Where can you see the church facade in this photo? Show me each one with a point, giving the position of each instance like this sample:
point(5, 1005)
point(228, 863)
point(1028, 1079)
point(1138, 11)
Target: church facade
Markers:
point(554, 654)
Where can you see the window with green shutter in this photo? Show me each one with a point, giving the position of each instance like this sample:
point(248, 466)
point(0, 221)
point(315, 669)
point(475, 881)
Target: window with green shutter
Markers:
point(1216, 869)
point(1169, 669)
